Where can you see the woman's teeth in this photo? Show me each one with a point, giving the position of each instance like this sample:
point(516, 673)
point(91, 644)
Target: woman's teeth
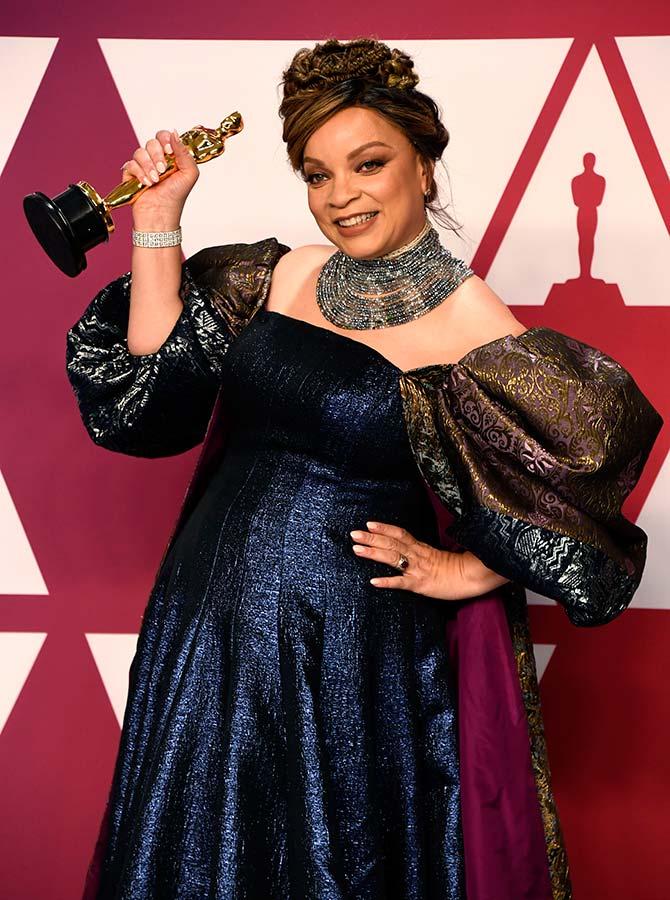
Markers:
point(356, 220)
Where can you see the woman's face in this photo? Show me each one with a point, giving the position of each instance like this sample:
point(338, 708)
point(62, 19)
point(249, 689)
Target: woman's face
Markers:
point(343, 180)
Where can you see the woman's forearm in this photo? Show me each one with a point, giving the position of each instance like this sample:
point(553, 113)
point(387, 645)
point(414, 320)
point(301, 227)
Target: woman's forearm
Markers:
point(478, 578)
point(155, 304)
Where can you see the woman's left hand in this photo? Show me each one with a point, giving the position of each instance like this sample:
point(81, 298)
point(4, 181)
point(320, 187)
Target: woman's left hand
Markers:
point(432, 571)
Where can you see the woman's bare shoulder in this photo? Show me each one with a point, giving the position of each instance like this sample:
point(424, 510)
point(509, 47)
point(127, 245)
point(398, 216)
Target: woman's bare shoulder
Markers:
point(292, 275)
point(305, 256)
point(481, 314)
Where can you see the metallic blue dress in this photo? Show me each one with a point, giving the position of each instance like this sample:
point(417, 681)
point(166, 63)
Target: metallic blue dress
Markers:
point(290, 728)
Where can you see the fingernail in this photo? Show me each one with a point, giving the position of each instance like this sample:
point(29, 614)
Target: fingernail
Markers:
point(168, 148)
point(154, 175)
point(160, 165)
point(371, 525)
point(146, 181)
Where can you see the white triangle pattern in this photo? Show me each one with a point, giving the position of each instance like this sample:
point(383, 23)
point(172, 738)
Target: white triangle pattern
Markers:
point(543, 653)
point(18, 652)
point(23, 62)
point(19, 571)
point(647, 61)
point(113, 654)
point(653, 590)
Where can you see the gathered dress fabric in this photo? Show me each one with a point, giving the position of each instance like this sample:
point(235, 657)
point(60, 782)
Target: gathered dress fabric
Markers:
point(291, 730)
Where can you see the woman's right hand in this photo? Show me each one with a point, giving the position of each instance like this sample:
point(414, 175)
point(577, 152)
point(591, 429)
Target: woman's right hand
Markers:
point(161, 203)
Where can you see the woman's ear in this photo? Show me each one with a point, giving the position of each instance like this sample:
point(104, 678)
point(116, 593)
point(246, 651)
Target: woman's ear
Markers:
point(430, 171)
point(428, 168)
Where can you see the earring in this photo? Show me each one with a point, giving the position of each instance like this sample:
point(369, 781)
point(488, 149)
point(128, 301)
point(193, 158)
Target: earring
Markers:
point(426, 195)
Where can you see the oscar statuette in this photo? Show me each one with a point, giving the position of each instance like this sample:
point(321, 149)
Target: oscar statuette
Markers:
point(73, 222)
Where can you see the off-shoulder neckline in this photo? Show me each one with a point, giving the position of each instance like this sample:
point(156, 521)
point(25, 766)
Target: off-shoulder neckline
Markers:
point(376, 353)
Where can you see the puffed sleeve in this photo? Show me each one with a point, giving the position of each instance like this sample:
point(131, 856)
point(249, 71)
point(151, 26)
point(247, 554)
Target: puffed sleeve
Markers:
point(159, 404)
point(533, 442)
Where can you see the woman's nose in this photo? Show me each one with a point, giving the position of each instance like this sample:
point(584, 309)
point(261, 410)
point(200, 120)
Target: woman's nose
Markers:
point(341, 195)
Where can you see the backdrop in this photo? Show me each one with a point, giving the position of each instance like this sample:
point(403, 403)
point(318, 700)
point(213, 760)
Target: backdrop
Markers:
point(559, 140)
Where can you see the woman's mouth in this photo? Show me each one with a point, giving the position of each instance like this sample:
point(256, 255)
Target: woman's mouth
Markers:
point(356, 224)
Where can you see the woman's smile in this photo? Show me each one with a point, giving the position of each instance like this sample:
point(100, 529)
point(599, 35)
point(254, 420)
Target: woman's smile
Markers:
point(357, 226)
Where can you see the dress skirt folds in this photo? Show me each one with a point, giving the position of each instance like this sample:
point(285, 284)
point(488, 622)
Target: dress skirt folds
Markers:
point(292, 731)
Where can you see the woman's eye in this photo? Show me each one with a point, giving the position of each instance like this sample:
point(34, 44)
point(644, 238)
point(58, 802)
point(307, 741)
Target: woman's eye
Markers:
point(375, 162)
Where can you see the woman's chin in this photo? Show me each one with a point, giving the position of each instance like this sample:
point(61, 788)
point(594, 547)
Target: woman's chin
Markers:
point(362, 247)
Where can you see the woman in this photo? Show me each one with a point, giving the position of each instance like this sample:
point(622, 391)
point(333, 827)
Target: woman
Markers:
point(334, 693)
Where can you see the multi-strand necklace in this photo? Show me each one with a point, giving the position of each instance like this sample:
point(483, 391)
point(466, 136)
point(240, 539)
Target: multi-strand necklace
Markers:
point(388, 290)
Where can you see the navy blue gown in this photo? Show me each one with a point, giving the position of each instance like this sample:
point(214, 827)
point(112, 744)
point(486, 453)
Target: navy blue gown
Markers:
point(290, 728)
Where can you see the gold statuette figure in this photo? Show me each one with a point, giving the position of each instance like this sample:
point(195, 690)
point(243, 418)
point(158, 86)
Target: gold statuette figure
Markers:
point(79, 219)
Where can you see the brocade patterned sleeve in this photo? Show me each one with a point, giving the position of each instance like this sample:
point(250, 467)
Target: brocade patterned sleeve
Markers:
point(533, 442)
point(159, 404)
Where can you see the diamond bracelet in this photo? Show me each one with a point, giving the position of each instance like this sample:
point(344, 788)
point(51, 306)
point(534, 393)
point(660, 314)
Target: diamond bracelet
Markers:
point(156, 238)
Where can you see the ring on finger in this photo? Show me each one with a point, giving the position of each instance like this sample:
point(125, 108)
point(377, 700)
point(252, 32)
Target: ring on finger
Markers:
point(403, 562)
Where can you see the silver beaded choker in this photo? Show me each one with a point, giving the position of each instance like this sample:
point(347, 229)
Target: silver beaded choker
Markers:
point(388, 290)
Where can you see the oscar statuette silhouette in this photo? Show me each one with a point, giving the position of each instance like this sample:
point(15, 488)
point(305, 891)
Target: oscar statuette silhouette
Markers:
point(73, 222)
